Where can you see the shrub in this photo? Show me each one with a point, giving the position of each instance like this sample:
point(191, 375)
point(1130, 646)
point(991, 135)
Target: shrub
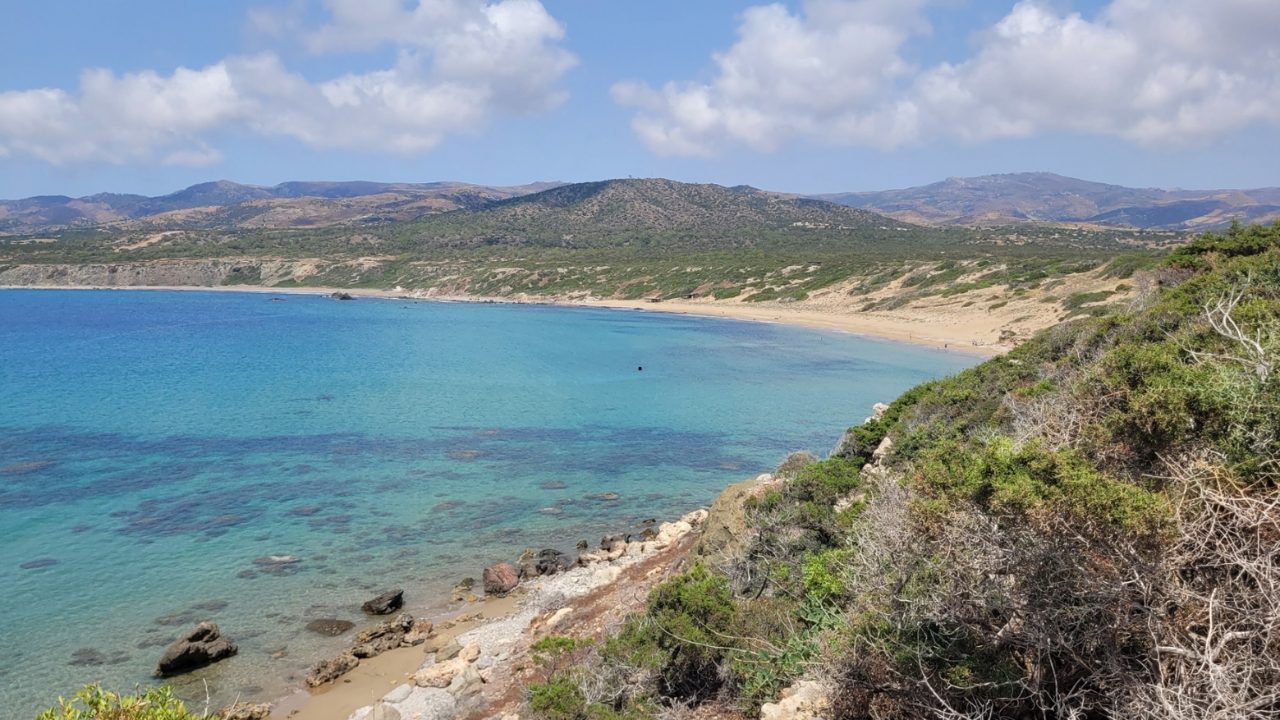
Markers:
point(94, 703)
point(559, 698)
point(688, 619)
point(1004, 479)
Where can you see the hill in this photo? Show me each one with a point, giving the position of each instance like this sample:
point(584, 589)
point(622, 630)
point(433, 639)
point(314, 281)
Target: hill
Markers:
point(654, 212)
point(622, 241)
point(1046, 197)
point(224, 205)
point(1083, 528)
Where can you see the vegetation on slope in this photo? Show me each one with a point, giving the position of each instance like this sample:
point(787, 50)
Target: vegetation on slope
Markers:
point(1087, 527)
point(95, 703)
point(625, 239)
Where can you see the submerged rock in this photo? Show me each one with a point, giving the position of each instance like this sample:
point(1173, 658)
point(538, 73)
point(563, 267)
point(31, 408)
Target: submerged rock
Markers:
point(92, 657)
point(331, 627)
point(385, 604)
point(500, 579)
point(278, 564)
point(203, 646)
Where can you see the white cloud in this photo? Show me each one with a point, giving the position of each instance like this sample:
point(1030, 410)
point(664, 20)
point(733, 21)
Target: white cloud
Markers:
point(1148, 71)
point(823, 72)
point(119, 119)
point(479, 58)
point(1155, 73)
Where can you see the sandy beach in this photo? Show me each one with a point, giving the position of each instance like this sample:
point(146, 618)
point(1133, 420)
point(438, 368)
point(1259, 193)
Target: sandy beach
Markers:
point(968, 333)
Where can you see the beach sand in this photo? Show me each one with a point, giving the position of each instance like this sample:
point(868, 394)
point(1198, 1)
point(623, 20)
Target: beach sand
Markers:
point(377, 676)
point(968, 332)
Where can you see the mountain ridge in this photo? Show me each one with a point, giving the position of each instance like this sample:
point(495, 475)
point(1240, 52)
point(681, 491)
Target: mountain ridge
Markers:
point(983, 201)
point(297, 201)
point(1051, 198)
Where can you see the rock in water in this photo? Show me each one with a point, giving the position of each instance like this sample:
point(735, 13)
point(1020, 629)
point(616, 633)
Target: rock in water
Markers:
point(202, 646)
point(500, 579)
point(332, 627)
point(385, 604)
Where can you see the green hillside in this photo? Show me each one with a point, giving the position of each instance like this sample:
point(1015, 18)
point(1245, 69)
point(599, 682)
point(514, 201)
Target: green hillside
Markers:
point(1086, 527)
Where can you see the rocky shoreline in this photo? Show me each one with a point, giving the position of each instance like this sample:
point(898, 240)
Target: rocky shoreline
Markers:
point(453, 667)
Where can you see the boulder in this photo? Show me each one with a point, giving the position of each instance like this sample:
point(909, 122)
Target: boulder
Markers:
point(331, 627)
point(386, 635)
point(439, 675)
point(877, 411)
point(399, 694)
point(728, 531)
point(200, 647)
point(465, 683)
point(552, 561)
point(527, 564)
point(882, 451)
point(448, 651)
point(544, 624)
point(376, 647)
point(383, 711)
point(327, 671)
point(500, 579)
point(418, 633)
point(245, 711)
point(398, 626)
point(806, 700)
point(385, 604)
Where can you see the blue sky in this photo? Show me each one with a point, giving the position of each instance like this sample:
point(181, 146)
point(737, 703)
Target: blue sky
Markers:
point(817, 96)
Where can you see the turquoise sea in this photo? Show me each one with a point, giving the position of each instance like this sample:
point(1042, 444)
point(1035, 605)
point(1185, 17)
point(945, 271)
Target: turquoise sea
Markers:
point(153, 445)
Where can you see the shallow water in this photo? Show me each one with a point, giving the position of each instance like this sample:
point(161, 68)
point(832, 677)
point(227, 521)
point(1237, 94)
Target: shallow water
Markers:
point(153, 445)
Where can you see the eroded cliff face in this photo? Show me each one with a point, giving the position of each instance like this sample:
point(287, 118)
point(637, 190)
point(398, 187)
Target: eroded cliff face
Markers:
point(203, 273)
point(162, 273)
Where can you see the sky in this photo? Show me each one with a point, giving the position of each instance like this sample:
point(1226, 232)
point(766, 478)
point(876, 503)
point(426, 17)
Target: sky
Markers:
point(149, 96)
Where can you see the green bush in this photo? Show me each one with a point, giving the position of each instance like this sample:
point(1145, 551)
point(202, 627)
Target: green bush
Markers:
point(1005, 479)
point(94, 703)
point(559, 698)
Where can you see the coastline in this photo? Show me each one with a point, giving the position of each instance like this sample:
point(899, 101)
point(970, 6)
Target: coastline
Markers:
point(493, 635)
point(511, 616)
point(964, 339)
